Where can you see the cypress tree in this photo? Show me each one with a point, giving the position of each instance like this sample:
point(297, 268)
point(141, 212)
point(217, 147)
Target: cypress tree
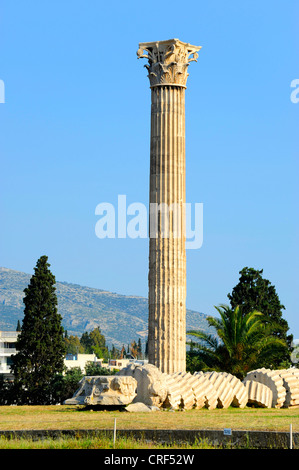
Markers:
point(253, 292)
point(40, 345)
point(139, 349)
point(146, 349)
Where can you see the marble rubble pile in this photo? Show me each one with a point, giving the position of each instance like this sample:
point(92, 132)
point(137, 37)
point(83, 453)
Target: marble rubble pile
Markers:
point(156, 390)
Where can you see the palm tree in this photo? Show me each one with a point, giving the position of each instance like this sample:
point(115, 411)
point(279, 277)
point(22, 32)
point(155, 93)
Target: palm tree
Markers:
point(243, 342)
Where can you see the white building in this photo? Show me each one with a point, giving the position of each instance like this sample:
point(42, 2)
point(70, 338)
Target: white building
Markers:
point(80, 360)
point(7, 349)
point(118, 364)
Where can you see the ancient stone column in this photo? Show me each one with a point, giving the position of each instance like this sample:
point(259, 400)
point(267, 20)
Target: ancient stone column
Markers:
point(167, 67)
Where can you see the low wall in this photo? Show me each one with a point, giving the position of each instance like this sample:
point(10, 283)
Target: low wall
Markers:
point(219, 438)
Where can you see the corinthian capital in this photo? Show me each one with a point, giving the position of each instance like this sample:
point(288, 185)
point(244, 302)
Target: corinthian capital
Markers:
point(168, 61)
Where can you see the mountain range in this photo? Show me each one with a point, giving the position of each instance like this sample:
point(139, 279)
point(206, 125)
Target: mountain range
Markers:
point(121, 318)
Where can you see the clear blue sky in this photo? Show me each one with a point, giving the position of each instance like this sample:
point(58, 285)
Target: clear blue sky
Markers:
point(75, 132)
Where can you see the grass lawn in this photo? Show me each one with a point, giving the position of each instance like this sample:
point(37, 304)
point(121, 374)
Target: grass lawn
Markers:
point(14, 418)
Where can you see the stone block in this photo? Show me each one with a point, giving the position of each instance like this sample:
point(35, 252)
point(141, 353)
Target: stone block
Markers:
point(222, 387)
point(259, 394)
point(173, 392)
point(291, 384)
point(184, 384)
point(151, 383)
point(240, 394)
point(140, 408)
point(104, 390)
point(206, 389)
point(271, 379)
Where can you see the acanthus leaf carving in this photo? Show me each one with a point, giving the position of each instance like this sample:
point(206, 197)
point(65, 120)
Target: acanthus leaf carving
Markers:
point(168, 61)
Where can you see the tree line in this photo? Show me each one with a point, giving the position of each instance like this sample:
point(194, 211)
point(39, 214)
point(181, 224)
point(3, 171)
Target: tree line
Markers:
point(94, 342)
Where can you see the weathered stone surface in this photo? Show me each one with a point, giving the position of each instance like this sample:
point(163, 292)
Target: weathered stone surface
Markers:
point(105, 391)
point(151, 383)
point(186, 391)
point(259, 394)
point(193, 383)
point(225, 393)
point(184, 383)
point(240, 394)
point(140, 408)
point(271, 379)
point(173, 395)
point(206, 388)
point(168, 61)
point(179, 391)
point(291, 384)
point(197, 388)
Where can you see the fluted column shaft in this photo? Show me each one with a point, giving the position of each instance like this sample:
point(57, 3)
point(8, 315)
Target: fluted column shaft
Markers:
point(167, 256)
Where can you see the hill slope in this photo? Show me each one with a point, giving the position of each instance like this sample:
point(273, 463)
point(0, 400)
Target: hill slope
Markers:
point(121, 318)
